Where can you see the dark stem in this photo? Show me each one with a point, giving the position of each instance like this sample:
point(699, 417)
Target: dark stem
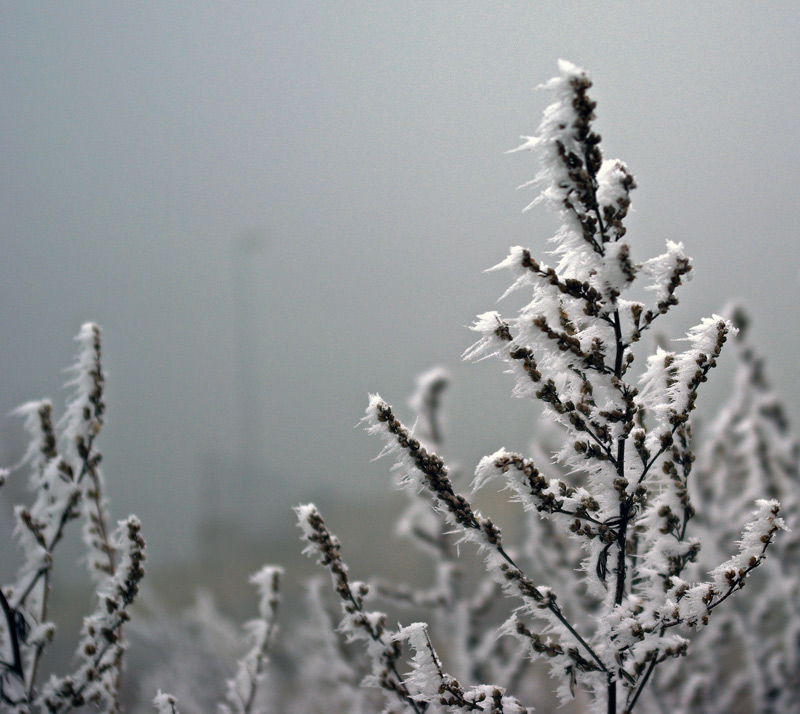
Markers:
point(612, 694)
point(556, 610)
point(65, 517)
point(16, 665)
point(642, 683)
point(624, 509)
point(403, 694)
point(248, 705)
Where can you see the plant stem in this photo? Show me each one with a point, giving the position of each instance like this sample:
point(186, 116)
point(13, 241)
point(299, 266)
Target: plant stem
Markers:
point(624, 511)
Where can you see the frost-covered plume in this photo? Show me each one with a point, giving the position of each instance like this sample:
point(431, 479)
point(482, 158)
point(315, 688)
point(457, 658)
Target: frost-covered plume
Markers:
point(427, 688)
point(81, 424)
point(419, 522)
point(427, 471)
point(426, 404)
point(165, 703)
point(429, 684)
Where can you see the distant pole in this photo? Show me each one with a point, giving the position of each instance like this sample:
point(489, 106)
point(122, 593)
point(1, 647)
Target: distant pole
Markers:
point(249, 420)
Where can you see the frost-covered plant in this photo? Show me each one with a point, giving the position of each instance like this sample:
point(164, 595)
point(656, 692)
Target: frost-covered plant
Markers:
point(610, 583)
point(67, 484)
point(626, 443)
point(242, 688)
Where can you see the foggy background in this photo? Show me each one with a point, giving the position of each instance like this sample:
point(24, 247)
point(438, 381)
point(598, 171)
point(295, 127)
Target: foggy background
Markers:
point(275, 208)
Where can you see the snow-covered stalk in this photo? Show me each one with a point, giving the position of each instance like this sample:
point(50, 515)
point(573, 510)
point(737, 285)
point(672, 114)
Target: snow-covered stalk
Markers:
point(425, 470)
point(419, 522)
point(80, 426)
point(459, 615)
point(39, 528)
point(427, 685)
point(243, 686)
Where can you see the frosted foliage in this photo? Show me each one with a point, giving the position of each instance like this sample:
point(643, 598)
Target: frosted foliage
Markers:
point(661, 269)
point(82, 419)
point(39, 526)
point(101, 647)
point(242, 688)
point(428, 683)
point(80, 426)
point(618, 487)
point(621, 588)
point(427, 674)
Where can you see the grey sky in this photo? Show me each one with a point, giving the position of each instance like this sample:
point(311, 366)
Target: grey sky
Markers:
point(364, 142)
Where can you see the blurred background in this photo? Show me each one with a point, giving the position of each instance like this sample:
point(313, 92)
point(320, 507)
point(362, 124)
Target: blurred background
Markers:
point(275, 208)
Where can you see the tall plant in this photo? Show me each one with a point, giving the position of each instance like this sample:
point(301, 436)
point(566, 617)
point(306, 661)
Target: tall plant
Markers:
point(626, 440)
